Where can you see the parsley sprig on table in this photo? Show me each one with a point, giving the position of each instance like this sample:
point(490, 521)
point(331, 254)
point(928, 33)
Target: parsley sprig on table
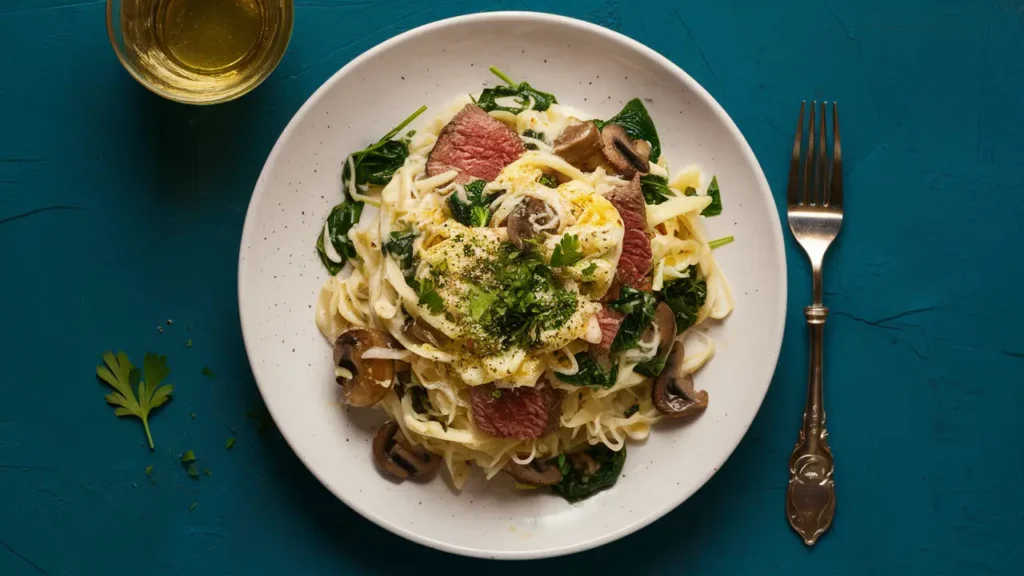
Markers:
point(132, 396)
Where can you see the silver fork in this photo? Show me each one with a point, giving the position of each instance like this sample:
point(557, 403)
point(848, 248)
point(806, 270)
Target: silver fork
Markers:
point(815, 216)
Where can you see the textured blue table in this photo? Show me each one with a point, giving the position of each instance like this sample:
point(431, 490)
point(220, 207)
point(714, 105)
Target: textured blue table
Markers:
point(119, 210)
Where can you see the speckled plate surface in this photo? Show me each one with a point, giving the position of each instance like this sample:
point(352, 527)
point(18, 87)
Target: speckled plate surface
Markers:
point(279, 276)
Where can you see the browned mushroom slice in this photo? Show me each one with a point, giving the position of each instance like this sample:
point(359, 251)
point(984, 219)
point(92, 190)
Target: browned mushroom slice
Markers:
point(523, 222)
point(580, 145)
point(673, 393)
point(665, 320)
point(421, 331)
point(398, 457)
point(536, 473)
point(622, 153)
point(364, 381)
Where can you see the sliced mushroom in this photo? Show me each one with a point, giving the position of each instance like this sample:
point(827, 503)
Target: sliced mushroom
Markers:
point(673, 393)
point(421, 331)
point(623, 153)
point(524, 221)
point(665, 320)
point(584, 463)
point(536, 473)
point(367, 380)
point(580, 144)
point(400, 458)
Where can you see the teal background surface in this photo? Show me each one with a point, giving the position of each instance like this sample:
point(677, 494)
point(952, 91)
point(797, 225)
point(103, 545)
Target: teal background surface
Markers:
point(119, 211)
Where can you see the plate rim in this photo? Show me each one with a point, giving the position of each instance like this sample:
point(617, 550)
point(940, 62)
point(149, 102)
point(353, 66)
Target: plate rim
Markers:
point(248, 229)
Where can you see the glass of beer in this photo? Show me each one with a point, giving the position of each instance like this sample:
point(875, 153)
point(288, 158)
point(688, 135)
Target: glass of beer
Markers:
point(200, 51)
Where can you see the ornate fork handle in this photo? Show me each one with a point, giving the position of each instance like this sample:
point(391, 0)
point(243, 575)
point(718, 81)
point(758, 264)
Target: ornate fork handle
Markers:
point(811, 497)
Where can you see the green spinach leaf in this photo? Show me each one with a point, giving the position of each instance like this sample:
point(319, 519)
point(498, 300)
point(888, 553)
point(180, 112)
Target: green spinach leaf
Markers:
point(631, 410)
point(715, 208)
point(376, 164)
point(524, 95)
point(577, 484)
point(475, 211)
point(638, 306)
point(341, 219)
point(638, 124)
point(590, 374)
point(399, 245)
point(655, 189)
point(685, 297)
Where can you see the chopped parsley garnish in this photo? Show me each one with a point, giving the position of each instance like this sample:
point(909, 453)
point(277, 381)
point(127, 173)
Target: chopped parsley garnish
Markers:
point(685, 297)
point(638, 307)
point(548, 180)
point(567, 252)
point(515, 299)
point(429, 296)
point(588, 272)
point(715, 208)
point(133, 396)
point(475, 211)
point(207, 372)
point(193, 470)
point(229, 444)
point(193, 506)
point(149, 470)
point(522, 94)
point(496, 394)
point(187, 457)
point(590, 374)
point(188, 343)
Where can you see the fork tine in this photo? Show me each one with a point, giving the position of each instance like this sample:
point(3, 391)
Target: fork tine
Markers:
point(836, 194)
point(809, 161)
point(821, 172)
point(794, 164)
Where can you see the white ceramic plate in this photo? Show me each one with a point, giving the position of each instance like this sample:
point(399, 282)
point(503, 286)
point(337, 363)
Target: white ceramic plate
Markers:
point(279, 276)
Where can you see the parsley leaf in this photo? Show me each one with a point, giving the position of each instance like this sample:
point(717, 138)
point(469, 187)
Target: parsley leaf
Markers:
point(429, 296)
point(475, 211)
point(341, 219)
point(715, 208)
point(655, 189)
point(588, 272)
point(637, 122)
point(685, 297)
point(589, 373)
point(480, 302)
point(548, 180)
point(638, 306)
point(229, 444)
point(524, 95)
point(567, 252)
point(207, 372)
point(121, 375)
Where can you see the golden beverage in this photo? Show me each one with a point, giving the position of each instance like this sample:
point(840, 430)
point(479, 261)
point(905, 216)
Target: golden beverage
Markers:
point(200, 51)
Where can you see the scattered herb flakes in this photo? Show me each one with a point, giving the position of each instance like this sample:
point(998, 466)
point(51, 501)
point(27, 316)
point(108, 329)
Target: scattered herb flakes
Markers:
point(588, 272)
point(188, 343)
point(207, 372)
point(193, 470)
point(496, 394)
point(187, 457)
point(207, 472)
point(193, 415)
point(132, 396)
point(229, 444)
point(193, 506)
point(149, 470)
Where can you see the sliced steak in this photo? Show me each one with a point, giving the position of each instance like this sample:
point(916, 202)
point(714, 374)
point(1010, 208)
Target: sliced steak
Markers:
point(523, 413)
point(610, 320)
point(476, 145)
point(636, 259)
